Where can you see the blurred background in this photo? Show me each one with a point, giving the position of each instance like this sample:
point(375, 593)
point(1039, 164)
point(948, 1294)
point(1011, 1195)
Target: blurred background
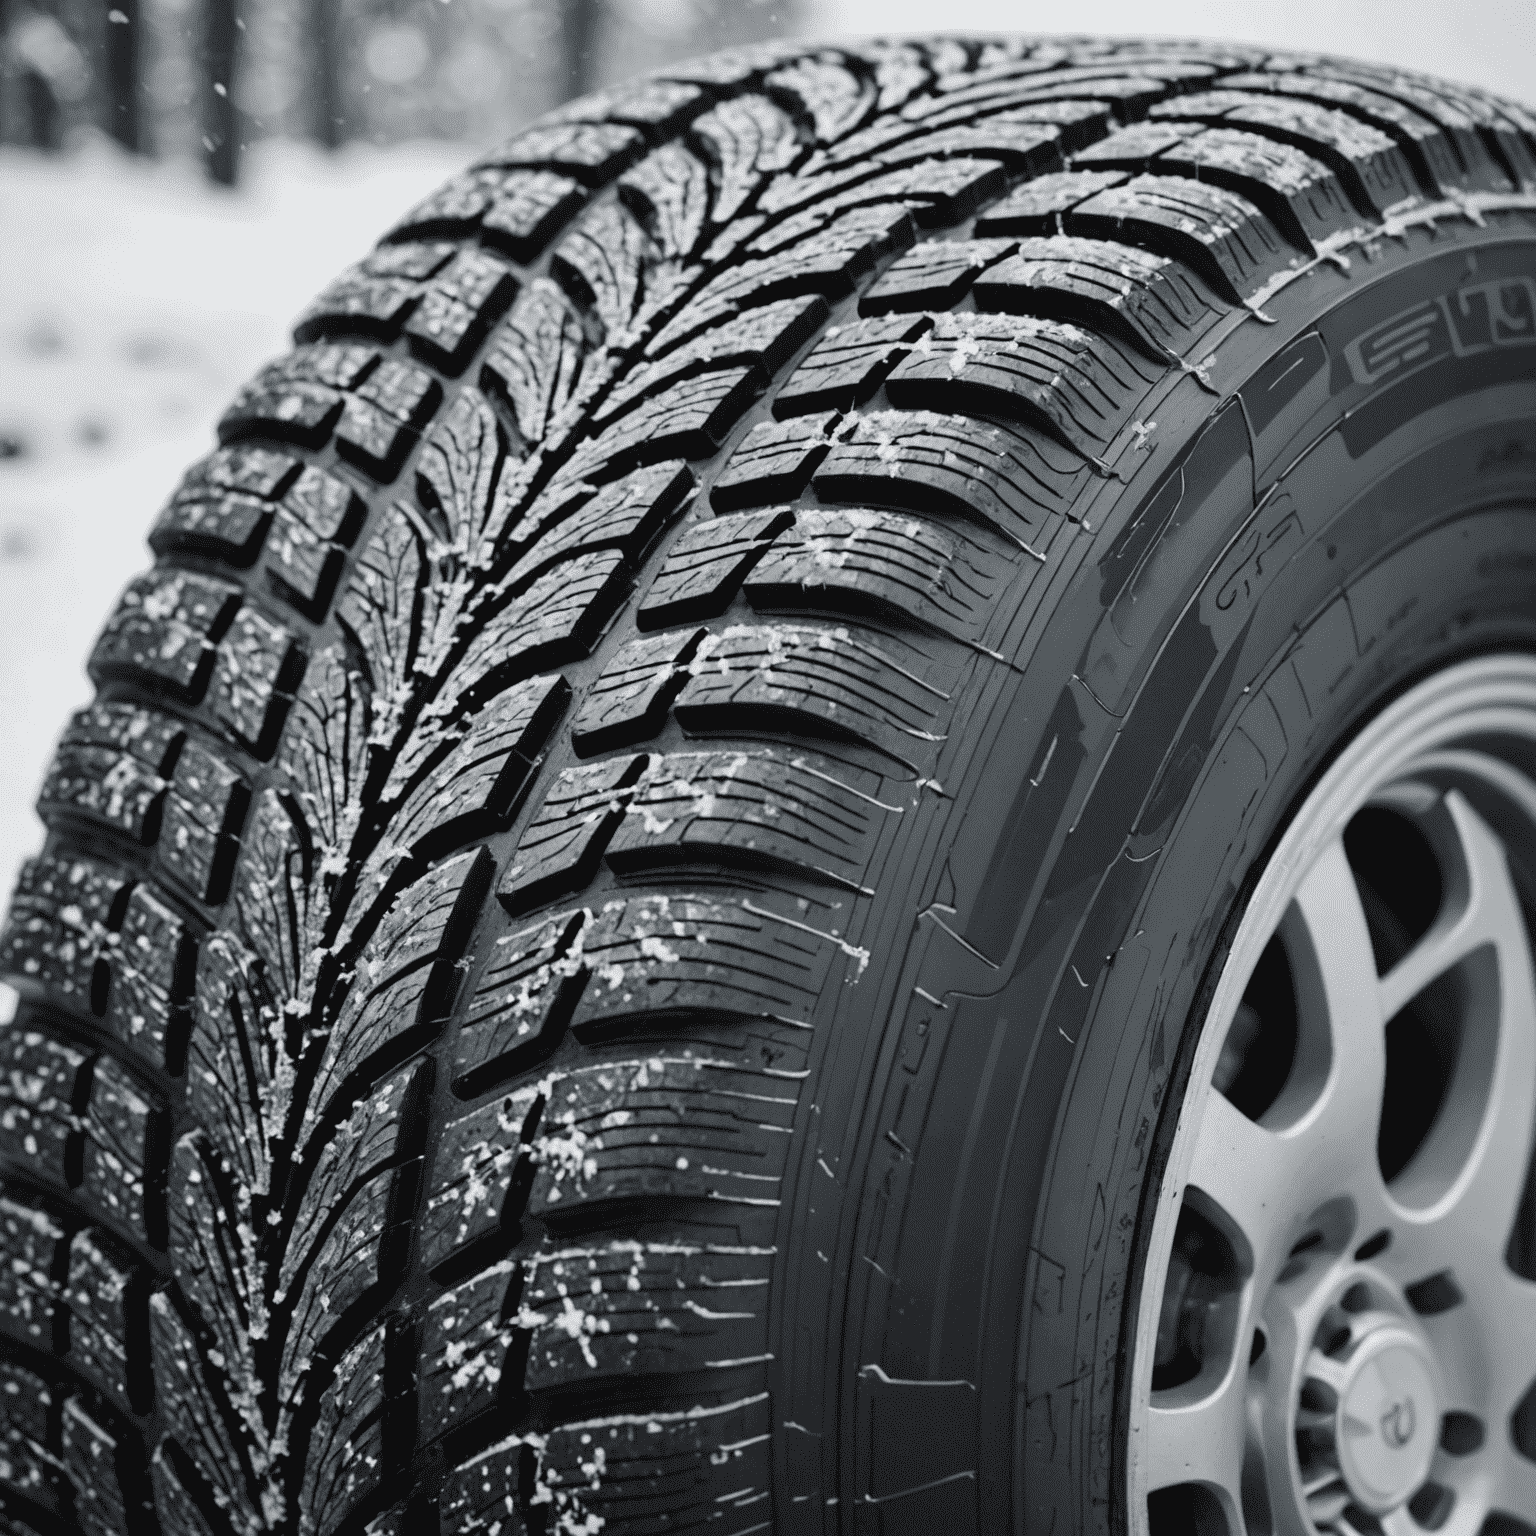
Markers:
point(178, 178)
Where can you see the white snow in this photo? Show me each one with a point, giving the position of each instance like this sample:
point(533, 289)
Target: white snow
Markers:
point(137, 299)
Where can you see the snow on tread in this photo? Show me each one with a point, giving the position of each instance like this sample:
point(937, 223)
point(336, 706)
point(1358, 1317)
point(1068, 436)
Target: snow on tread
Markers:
point(495, 777)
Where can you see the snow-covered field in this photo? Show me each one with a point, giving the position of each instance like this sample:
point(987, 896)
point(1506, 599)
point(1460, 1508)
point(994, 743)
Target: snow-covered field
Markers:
point(136, 300)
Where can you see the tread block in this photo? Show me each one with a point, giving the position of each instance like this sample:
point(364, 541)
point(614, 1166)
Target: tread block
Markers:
point(1141, 297)
point(58, 934)
point(813, 680)
point(766, 338)
point(1374, 171)
point(34, 1262)
point(1013, 480)
point(101, 1462)
point(662, 1470)
point(560, 847)
point(658, 105)
point(182, 1393)
point(683, 1127)
point(1134, 147)
point(127, 1143)
point(706, 565)
point(166, 627)
point(481, 1496)
point(631, 1308)
point(112, 765)
point(1428, 148)
point(591, 152)
point(43, 1091)
point(746, 138)
point(230, 1060)
point(381, 1130)
point(694, 958)
point(373, 297)
point(555, 620)
point(626, 514)
point(108, 1299)
point(458, 309)
point(361, 1252)
point(385, 415)
point(526, 209)
point(628, 703)
point(205, 1237)
point(689, 421)
point(522, 1001)
point(1491, 139)
point(831, 262)
point(178, 1512)
point(224, 504)
point(774, 462)
point(1037, 207)
point(465, 1336)
point(473, 788)
point(407, 976)
point(603, 263)
point(1026, 148)
point(849, 364)
point(455, 208)
point(825, 91)
point(299, 398)
point(936, 192)
point(345, 1459)
point(1073, 383)
point(381, 608)
point(27, 1466)
point(315, 522)
point(251, 471)
point(1304, 199)
point(1301, 195)
point(154, 966)
point(258, 666)
point(477, 1165)
point(751, 809)
point(535, 363)
point(199, 835)
point(669, 193)
point(1129, 92)
point(1217, 234)
point(934, 275)
point(1078, 123)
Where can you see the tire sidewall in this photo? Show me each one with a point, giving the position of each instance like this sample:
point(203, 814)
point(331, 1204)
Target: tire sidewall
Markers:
point(1272, 633)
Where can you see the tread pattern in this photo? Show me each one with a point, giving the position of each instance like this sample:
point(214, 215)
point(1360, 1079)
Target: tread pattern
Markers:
point(491, 780)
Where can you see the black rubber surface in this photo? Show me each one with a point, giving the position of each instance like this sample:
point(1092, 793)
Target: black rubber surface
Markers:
point(611, 951)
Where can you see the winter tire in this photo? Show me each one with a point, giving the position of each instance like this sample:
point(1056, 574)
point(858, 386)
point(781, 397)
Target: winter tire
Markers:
point(823, 821)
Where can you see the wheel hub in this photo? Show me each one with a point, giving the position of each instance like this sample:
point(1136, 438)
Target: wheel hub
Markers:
point(1386, 1420)
point(1338, 1332)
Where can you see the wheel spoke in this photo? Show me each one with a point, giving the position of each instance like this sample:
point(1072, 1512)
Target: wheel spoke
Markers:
point(1338, 1247)
point(1514, 1484)
point(1513, 1362)
point(1195, 1435)
point(1483, 909)
point(1459, 1203)
point(1341, 1054)
point(1258, 1179)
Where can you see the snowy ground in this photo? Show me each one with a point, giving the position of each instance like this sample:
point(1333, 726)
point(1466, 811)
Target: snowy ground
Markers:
point(136, 300)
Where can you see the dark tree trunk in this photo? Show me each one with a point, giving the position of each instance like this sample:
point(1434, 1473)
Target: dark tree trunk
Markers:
point(221, 128)
point(42, 111)
point(328, 125)
point(580, 23)
point(125, 72)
